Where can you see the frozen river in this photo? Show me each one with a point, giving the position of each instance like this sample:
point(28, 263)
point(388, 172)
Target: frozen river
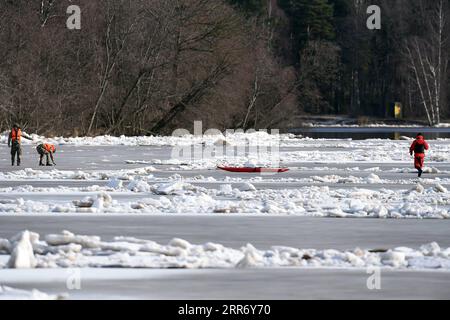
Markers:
point(255, 284)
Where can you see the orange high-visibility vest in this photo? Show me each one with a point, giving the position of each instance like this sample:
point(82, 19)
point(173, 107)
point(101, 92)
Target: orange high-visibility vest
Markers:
point(49, 147)
point(16, 135)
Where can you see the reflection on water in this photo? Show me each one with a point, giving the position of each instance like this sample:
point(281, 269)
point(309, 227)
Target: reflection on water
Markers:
point(371, 133)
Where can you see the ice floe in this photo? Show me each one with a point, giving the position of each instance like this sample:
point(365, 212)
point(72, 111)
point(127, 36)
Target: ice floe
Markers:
point(423, 201)
point(68, 250)
point(22, 256)
point(7, 293)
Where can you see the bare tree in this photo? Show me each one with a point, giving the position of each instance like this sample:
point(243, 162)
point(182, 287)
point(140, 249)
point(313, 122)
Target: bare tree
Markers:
point(429, 63)
point(115, 39)
point(46, 11)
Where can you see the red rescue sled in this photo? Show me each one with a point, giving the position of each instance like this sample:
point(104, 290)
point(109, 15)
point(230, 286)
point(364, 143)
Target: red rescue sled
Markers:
point(252, 170)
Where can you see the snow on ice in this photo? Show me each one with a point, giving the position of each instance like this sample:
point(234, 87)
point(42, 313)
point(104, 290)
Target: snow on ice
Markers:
point(230, 138)
point(361, 188)
point(7, 293)
point(245, 198)
point(22, 256)
point(68, 250)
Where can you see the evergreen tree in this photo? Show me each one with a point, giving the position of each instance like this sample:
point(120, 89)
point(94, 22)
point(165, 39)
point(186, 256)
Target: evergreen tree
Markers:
point(311, 20)
point(250, 7)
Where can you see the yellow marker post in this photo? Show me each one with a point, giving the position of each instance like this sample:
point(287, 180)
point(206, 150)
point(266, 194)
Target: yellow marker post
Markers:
point(398, 110)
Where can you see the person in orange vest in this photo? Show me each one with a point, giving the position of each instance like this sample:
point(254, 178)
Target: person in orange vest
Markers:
point(46, 149)
point(15, 143)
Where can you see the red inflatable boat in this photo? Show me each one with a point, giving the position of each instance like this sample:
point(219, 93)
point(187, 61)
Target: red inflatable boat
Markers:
point(252, 170)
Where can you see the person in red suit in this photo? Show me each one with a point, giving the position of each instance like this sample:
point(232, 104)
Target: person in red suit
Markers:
point(418, 147)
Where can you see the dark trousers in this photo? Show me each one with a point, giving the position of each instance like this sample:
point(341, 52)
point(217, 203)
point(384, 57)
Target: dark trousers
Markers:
point(42, 156)
point(16, 152)
point(42, 152)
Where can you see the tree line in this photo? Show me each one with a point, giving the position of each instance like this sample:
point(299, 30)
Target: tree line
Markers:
point(343, 67)
point(149, 66)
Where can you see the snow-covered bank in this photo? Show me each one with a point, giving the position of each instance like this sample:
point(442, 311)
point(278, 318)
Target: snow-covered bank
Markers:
point(334, 124)
point(211, 138)
point(68, 250)
point(214, 139)
point(350, 123)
